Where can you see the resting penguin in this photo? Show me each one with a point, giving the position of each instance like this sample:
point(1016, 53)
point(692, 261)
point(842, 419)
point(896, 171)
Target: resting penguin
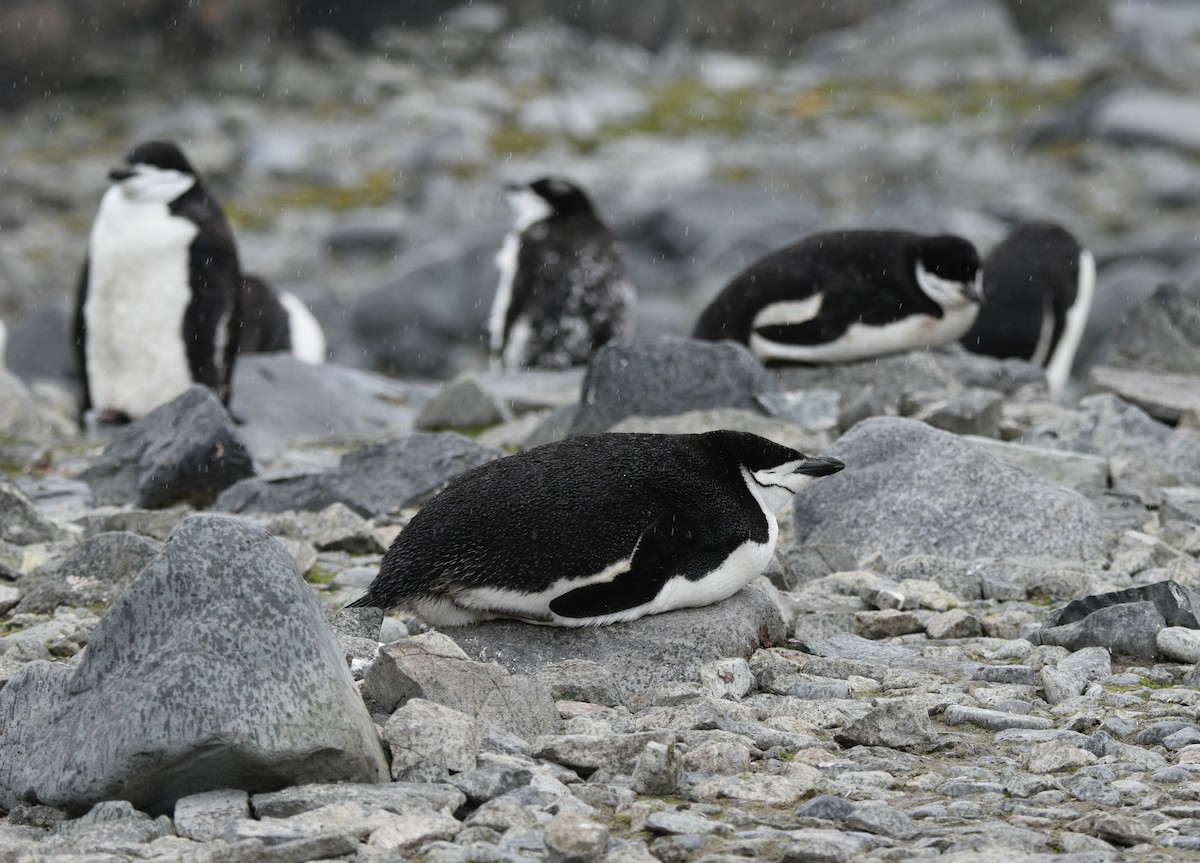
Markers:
point(271, 321)
point(562, 292)
point(596, 529)
point(1038, 286)
point(158, 288)
point(849, 295)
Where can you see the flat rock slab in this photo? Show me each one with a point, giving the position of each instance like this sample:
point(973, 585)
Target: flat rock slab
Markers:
point(670, 376)
point(216, 669)
point(186, 451)
point(378, 479)
point(643, 654)
point(1166, 396)
point(909, 488)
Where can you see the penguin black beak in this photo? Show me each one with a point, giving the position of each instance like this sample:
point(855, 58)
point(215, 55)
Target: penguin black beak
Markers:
point(121, 172)
point(820, 465)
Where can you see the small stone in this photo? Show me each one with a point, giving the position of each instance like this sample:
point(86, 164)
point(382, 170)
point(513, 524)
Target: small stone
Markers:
point(1053, 756)
point(819, 690)
point(207, 815)
point(1018, 675)
point(669, 822)
point(992, 720)
point(571, 838)
point(885, 624)
point(428, 739)
point(827, 807)
point(1179, 644)
point(901, 724)
point(657, 770)
point(723, 757)
point(1092, 662)
point(1058, 685)
point(882, 820)
point(726, 678)
point(1119, 830)
point(408, 833)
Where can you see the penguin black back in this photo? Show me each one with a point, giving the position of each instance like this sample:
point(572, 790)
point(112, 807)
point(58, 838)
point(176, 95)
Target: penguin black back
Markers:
point(562, 292)
point(587, 527)
point(812, 292)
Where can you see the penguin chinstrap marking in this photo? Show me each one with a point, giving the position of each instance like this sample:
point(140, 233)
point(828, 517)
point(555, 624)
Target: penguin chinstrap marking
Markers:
point(1038, 286)
point(849, 295)
point(158, 288)
point(596, 529)
point(562, 292)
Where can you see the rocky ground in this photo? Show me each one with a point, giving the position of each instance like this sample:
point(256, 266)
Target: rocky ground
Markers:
point(976, 642)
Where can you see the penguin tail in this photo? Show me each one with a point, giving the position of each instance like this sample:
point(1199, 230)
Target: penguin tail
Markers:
point(367, 600)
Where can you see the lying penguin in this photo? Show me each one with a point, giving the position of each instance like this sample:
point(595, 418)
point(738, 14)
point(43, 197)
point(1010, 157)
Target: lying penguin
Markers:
point(849, 295)
point(596, 529)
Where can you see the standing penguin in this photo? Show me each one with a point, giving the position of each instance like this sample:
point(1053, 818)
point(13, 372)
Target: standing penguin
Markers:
point(158, 288)
point(1038, 286)
point(596, 529)
point(849, 295)
point(562, 291)
point(270, 321)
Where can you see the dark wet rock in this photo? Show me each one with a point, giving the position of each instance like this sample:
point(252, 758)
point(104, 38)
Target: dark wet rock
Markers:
point(377, 479)
point(186, 451)
point(260, 708)
point(645, 653)
point(909, 488)
point(98, 570)
point(666, 377)
point(1129, 629)
point(1178, 605)
point(461, 404)
point(281, 400)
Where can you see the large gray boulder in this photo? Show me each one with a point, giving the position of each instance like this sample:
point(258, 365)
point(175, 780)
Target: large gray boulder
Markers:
point(666, 377)
point(185, 451)
point(216, 669)
point(375, 480)
point(644, 654)
point(909, 488)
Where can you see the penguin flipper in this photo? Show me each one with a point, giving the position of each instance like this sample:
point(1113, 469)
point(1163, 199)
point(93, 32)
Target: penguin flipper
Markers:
point(660, 554)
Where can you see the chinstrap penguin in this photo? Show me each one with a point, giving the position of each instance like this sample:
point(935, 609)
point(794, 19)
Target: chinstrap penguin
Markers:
point(270, 321)
point(158, 288)
point(596, 529)
point(562, 292)
point(1038, 286)
point(849, 295)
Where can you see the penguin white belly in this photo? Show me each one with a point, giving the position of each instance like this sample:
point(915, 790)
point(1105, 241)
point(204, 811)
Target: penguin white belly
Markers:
point(860, 341)
point(308, 339)
point(138, 292)
point(1058, 369)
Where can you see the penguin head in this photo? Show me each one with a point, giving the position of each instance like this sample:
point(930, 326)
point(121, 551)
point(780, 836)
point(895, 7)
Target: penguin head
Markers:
point(948, 271)
point(154, 172)
point(776, 472)
point(546, 197)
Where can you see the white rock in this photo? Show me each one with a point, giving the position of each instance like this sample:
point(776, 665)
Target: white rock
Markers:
point(1179, 644)
point(726, 677)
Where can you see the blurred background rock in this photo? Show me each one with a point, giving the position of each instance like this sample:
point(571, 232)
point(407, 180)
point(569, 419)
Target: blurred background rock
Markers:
point(360, 147)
